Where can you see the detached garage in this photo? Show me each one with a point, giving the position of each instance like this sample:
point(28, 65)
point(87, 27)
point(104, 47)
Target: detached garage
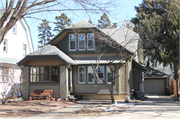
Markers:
point(155, 82)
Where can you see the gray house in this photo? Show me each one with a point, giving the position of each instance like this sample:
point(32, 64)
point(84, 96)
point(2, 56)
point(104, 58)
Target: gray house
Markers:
point(65, 63)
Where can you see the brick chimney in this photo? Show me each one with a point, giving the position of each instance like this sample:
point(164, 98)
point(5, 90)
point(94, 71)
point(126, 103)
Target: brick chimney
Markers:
point(114, 25)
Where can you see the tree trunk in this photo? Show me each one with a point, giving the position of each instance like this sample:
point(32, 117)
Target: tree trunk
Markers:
point(111, 92)
point(176, 68)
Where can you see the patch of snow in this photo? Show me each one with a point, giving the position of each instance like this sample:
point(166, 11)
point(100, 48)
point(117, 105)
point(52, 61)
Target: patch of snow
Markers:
point(120, 104)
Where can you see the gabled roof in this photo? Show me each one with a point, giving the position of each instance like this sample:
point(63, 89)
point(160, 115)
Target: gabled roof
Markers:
point(81, 24)
point(153, 73)
point(49, 50)
point(127, 38)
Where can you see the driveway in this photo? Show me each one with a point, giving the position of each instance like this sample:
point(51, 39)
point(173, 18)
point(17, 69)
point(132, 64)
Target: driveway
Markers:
point(155, 107)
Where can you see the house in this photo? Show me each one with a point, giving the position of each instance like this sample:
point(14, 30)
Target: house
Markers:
point(65, 63)
point(155, 82)
point(17, 44)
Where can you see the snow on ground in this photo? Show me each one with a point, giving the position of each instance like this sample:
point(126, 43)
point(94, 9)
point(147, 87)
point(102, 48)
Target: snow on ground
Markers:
point(112, 107)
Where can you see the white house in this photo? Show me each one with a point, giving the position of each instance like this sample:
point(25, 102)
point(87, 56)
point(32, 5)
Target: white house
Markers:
point(16, 44)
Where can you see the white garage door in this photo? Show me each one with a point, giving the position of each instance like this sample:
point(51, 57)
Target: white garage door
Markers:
point(153, 86)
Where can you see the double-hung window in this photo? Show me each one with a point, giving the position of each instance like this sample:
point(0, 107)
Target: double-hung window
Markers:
point(34, 74)
point(91, 76)
point(109, 74)
point(81, 75)
point(100, 72)
point(72, 42)
point(5, 45)
point(14, 29)
point(44, 74)
point(90, 41)
point(81, 41)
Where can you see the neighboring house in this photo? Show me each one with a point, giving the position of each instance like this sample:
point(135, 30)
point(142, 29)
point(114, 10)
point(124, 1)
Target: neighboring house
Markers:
point(64, 64)
point(16, 44)
point(155, 82)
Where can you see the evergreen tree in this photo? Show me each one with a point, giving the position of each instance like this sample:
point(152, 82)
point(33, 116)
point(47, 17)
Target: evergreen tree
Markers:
point(104, 22)
point(61, 22)
point(44, 33)
point(157, 23)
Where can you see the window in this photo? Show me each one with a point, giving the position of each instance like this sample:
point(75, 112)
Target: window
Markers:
point(5, 44)
point(34, 74)
point(24, 50)
point(91, 76)
point(54, 74)
point(44, 74)
point(72, 42)
point(90, 41)
point(81, 74)
point(81, 41)
point(14, 29)
point(100, 72)
point(109, 74)
point(4, 75)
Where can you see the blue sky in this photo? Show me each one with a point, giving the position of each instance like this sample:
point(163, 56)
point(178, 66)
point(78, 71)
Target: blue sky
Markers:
point(125, 11)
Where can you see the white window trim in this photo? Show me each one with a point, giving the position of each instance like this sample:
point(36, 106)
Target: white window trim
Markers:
point(93, 40)
point(15, 26)
point(107, 74)
point(84, 42)
point(70, 43)
point(5, 46)
point(84, 74)
point(88, 76)
point(98, 76)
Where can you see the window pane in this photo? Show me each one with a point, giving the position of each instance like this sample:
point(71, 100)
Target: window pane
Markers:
point(54, 74)
point(72, 45)
point(81, 73)
point(44, 70)
point(81, 41)
point(100, 72)
point(90, 41)
point(72, 41)
point(44, 78)
point(109, 74)
point(90, 75)
point(34, 78)
point(34, 70)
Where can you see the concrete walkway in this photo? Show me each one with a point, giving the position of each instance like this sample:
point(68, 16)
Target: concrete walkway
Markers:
point(155, 107)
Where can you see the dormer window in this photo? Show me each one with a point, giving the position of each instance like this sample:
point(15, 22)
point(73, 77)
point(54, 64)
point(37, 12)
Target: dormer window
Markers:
point(14, 29)
point(81, 41)
point(90, 41)
point(72, 42)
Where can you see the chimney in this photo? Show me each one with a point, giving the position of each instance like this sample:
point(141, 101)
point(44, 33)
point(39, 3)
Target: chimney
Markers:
point(114, 25)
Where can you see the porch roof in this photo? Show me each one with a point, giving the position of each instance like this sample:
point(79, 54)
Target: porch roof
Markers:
point(48, 51)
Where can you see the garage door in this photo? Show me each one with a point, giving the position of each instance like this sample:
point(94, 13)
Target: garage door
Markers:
point(153, 86)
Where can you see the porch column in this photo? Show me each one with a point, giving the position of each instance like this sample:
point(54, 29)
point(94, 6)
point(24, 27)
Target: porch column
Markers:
point(63, 82)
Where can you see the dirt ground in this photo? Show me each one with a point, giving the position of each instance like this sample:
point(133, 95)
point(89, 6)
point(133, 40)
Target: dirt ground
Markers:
point(30, 108)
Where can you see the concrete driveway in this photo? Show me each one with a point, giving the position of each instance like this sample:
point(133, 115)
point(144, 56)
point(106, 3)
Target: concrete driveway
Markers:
point(155, 107)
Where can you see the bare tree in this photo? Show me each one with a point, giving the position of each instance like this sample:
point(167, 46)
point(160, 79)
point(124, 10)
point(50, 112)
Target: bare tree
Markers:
point(127, 39)
point(11, 80)
point(13, 10)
